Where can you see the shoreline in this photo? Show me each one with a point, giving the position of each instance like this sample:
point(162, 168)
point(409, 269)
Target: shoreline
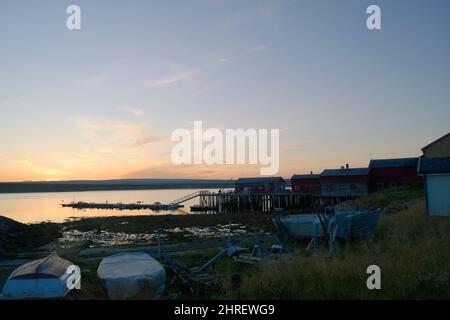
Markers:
point(88, 188)
point(136, 230)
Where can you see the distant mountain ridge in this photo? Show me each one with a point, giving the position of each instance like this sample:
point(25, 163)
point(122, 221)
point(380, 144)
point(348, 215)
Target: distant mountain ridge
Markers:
point(112, 184)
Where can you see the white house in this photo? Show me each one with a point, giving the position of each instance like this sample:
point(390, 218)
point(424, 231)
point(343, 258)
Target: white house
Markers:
point(436, 173)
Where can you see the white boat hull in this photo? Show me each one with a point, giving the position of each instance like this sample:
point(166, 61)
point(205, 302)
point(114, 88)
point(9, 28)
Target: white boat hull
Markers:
point(304, 226)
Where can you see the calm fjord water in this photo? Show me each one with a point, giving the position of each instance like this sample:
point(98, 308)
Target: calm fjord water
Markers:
point(38, 207)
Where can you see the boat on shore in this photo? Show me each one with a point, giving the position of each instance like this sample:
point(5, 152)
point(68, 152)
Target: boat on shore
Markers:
point(301, 226)
point(344, 225)
point(45, 278)
point(132, 275)
point(353, 224)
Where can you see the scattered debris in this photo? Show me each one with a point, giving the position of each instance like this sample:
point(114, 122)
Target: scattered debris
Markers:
point(259, 253)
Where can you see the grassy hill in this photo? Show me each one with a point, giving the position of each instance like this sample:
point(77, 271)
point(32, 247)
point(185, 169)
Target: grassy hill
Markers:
point(412, 250)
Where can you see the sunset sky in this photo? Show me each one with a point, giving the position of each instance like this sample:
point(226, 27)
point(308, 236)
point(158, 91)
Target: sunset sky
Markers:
point(102, 102)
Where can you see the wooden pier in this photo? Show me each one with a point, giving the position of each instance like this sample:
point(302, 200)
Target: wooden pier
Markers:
point(121, 206)
point(222, 202)
point(226, 202)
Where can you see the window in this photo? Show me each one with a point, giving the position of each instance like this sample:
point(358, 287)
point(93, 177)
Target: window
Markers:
point(393, 184)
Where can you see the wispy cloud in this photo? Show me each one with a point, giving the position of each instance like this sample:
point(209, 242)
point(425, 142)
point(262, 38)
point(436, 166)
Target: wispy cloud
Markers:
point(143, 141)
point(94, 127)
point(114, 71)
point(95, 79)
point(110, 135)
point(169, 170)
point(169, 80)
point(133, 111)
point(260, 48)
point(224, 60)
point(49, 173)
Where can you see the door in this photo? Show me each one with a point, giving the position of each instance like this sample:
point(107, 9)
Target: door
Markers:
point(438, 194)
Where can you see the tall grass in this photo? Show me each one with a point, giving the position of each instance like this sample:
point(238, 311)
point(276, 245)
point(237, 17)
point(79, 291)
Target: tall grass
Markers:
point(412, 250)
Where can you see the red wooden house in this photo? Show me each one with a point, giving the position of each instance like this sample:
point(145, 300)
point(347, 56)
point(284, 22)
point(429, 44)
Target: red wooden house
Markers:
point(385, 173)
point(306, 183)
point(344, 183)
point(260, 185)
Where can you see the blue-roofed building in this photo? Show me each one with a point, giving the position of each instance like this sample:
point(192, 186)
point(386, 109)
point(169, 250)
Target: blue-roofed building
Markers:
point(436, 173)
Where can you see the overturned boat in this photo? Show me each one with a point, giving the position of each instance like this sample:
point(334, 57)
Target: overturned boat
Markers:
point(343, 225)
point(353, 224)
point(45, 278)
point(301, 226)
point(132, 275)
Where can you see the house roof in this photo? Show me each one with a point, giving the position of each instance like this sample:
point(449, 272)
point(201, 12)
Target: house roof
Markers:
point(345, 172)
point(434, 165)
point(393, 163)
point(305, 176)
point(260, 180)
point(435, 141)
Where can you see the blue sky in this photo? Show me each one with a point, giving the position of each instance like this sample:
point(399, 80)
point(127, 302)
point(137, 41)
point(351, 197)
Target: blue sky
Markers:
point(102, 102)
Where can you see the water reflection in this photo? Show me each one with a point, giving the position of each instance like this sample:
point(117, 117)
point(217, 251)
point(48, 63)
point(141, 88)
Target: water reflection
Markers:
point(38, 207)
